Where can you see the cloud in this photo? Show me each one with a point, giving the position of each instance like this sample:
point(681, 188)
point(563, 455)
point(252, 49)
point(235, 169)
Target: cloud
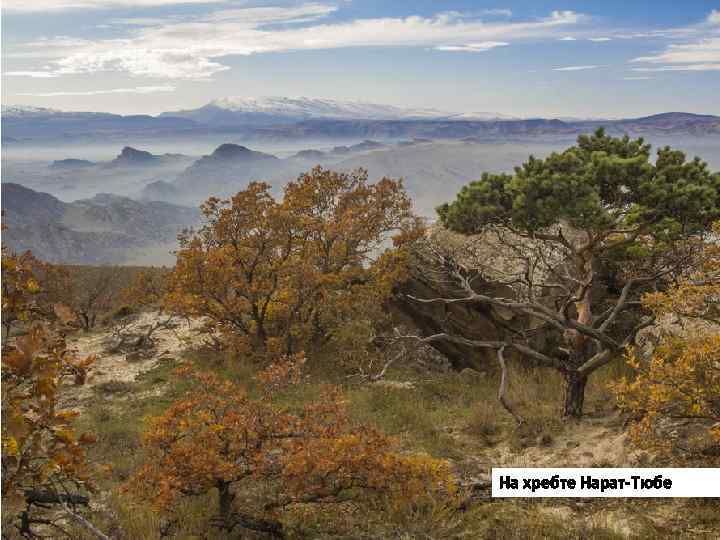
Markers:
point(713, 17)
point(701, 55)
point(690, 67)
point(600, 39)
point(136, 21)
point(193, 49)
point(567, 38)
point(473, 47)
point(574, 68)
point(271, 15)
point(497, 12)
point(32, 74)
point(135, 90)
point(61, 5)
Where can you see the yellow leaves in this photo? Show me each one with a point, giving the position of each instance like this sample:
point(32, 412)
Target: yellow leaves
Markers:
point(32, 286)
point(9, 446)
point(680, 379)
point(34, 368)
point(285, 274)
point(218, 434)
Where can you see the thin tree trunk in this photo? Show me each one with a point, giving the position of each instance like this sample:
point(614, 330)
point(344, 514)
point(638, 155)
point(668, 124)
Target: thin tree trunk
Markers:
point(574, 394)
point(502, 389)
point(225, 500)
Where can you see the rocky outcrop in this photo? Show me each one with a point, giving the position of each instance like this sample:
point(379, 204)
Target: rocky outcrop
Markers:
point(428, 279)
point(132, 157)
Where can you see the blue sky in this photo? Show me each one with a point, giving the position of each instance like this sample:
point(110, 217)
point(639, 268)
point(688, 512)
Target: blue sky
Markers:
point(523, 58)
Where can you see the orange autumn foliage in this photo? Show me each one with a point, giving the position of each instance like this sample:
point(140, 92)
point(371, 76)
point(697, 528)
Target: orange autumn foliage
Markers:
point(275, 276)
point(39, 445)
point(681, 378)
point(220, 438)
point(42, 456)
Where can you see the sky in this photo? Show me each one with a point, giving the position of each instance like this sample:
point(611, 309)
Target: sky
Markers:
point(529, 58)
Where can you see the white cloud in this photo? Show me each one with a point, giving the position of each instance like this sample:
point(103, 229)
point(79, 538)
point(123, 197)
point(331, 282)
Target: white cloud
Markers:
point(567, 38)
point(135, 90)
point(192, 49)
point(702, 55)
point(472, 47)
point(32, 74)
point(498, 12)
point(575, 68)
point(714, 17)
point(689, 67)
point(273, 15)
point(136, 21)
point(600, 39)
point(60, 5)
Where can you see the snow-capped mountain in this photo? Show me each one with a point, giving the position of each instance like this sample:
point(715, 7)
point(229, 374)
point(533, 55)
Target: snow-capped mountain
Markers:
point(247, 110)
point(24, 111)
point(322, 108)
point(483, 116)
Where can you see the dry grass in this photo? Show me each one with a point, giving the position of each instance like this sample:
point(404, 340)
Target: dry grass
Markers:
point(443, 414)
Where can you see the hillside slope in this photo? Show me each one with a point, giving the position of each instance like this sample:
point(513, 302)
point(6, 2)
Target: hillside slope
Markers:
point(104, 229)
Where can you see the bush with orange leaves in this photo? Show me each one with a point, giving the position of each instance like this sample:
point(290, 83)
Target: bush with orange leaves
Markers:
point(43, 459)
point(263, 461)
point(681, 378)
point(277, 276)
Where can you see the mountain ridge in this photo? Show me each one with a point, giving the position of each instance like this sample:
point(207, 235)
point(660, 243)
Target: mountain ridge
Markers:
point(103, 229)
point(294, 118)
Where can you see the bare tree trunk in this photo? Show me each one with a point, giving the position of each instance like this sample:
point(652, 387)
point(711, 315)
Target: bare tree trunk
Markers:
point(574, 394)
point(225, 500)
point(502, 390)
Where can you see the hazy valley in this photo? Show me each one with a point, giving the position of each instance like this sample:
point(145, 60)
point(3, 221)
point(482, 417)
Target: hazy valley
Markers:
point(183, 158)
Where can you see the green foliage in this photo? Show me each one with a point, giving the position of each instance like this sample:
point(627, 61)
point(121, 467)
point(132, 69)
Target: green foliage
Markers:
point(587, 185)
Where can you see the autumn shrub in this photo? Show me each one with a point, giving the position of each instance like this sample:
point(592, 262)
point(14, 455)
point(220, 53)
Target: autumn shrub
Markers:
point(677, 378)
point(43, 459)
point(679, 382)
point(263, 462)
point(44, 464)
point(273, 277)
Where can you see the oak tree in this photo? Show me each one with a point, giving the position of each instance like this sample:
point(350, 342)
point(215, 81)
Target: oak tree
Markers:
point(261, 459)
point(43, 459)
point(276, 276)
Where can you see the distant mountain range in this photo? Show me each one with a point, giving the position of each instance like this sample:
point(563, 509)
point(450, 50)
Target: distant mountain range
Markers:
point(22, 123)
point(242, 111)
point(134, 228)
point(280, 118)
point(104, 229)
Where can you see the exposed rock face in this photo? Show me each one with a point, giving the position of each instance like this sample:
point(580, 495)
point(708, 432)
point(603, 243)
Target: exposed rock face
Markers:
point(104, 229)
point(472, 321)
point(131, 156)
point(236, 151)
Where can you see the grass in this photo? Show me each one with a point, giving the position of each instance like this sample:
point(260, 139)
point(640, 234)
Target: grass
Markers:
point(442, 414)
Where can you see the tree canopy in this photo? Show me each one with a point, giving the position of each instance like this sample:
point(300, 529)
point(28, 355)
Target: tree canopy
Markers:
point(588, 230)
point(275, 275)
